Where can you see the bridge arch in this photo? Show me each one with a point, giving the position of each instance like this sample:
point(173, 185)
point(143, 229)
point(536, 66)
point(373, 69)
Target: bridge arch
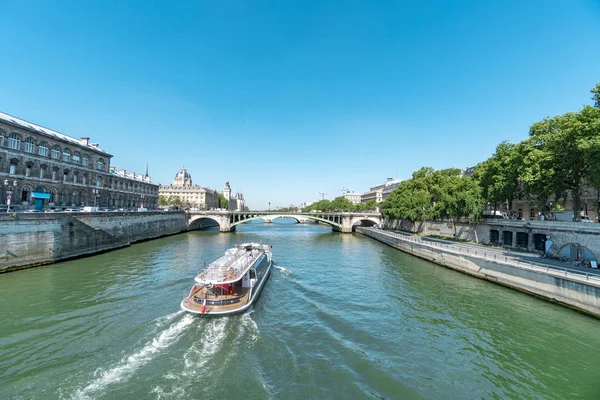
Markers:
point(298, 218)
point(202, 222)
point(363, 221)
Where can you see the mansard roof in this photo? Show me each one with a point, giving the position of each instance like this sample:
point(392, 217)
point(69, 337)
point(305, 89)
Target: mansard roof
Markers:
point(49, 132)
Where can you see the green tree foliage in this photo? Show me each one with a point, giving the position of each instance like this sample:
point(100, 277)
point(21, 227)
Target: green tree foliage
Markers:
point(596, 95)
point(174, 201)
point(431, 194)
point(561, 155)
point(498, 176)
point(223, 202)
point(340, 204)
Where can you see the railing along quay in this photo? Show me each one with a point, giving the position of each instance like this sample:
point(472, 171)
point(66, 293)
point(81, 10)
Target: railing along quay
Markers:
point(486, 254)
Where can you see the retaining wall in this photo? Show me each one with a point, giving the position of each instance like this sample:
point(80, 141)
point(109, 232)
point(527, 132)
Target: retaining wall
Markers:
point(581, 292)
point(33, 239)
point(460, 230)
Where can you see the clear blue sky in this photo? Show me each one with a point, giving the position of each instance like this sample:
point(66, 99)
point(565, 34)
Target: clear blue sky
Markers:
point(286, 98)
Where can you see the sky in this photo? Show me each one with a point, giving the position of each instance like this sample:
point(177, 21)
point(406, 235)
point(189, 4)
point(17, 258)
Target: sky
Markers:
point(288, 99)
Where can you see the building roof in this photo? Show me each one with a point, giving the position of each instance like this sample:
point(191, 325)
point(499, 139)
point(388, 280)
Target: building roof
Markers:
point(183, 174)
point(40, 129)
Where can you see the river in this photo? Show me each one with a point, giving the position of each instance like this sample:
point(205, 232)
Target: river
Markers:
point(341, 317)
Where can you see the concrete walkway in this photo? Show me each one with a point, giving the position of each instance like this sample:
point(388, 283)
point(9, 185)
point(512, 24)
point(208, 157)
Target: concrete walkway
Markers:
point(499, 253)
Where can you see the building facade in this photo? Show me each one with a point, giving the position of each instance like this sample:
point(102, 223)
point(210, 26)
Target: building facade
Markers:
point(354, 198)
point(237, 201)
point(42, 168)
point(381, 192)
point(192, 196)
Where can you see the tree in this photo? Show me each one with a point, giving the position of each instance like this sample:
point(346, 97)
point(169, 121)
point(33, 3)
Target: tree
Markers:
point(561, 156)
point(223, 202)
point(596, 95)
point(498, 176)
point(430, 194)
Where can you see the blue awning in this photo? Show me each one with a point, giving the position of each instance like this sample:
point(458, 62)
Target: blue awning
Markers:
point(37, 195)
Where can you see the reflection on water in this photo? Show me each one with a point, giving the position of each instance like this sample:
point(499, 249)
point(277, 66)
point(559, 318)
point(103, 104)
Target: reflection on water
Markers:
point(342, 316)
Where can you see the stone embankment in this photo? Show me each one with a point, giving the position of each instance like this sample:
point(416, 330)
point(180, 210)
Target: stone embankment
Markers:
point(573, 288)
point(28, 240)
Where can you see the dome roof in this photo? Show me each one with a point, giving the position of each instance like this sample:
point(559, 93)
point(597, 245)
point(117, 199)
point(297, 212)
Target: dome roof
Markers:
point(183, 174)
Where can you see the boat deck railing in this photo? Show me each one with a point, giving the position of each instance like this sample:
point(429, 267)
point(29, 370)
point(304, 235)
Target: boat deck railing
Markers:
point(229, 267)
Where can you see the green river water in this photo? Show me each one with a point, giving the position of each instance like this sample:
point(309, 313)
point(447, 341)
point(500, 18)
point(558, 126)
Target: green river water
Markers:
point(341, 317)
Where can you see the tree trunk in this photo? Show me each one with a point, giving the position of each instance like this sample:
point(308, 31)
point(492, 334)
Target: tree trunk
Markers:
point(576, 193)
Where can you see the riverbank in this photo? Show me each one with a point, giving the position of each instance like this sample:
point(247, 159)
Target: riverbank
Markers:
point(569, 287)
point(29, 240)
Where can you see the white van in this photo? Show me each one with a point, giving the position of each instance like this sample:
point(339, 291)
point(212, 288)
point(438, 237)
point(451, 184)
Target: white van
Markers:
point(90, 209)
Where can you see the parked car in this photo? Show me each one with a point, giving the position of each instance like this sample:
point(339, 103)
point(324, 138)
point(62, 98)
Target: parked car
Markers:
point(32, 211)
point(71, 210)
point(585, 218)
point(3, 210)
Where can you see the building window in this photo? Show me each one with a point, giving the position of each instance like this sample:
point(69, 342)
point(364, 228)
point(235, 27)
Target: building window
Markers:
point(532, 213)
point(55, 153)
point(43, 149)
point(24, 194)
point(29, 145)
point(65, 177)
point(74, 178)
point(76, 158)
point(42, 172)
point(1, 140)
point(27, 171)
point(84, 160)
point(66, 155)
point(98, 181)
point(12, 169)
point(84, 180)
point(520, 213)
point(100, 165)
point(14, 142)
point(53, 174)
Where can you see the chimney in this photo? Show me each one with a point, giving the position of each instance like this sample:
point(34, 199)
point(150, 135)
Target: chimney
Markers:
point(123, 172)
point(95, 145)
point(132, 174)
point(85, 141)
point(112, 169)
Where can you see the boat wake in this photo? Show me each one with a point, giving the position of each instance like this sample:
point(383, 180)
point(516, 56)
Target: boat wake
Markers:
point(283, 270)
point(129, 364)
point(219, 343)
point(203, 351)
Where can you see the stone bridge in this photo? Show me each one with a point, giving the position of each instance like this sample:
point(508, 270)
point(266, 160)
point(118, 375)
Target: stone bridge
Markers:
point(344, 222)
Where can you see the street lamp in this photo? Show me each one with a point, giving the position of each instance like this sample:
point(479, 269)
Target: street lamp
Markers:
point(269, 206)
point(96, 193)
point(9, 187)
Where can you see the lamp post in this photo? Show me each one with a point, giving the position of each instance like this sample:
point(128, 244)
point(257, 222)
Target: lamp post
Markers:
point(9, 188)
point(269, 206)
point(96, 193)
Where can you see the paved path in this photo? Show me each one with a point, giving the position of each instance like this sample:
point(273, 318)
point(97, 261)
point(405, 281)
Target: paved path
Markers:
point(499, 253)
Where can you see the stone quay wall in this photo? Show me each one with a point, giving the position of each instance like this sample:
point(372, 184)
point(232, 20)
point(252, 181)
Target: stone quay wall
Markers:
point(575, 290)
point(28, 240)
point(460, 230)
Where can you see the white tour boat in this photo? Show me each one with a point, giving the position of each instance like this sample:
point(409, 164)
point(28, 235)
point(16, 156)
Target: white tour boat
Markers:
point(232, 282)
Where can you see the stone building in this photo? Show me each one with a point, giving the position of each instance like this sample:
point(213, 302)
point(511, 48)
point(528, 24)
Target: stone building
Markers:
point(236, 201)
point(354, 198)
point(45, 168)
point(381, 192)
point(192, 196)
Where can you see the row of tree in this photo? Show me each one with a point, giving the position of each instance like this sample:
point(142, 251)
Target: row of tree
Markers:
point(340, 204)
point(559, 159)
point(431, 194)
